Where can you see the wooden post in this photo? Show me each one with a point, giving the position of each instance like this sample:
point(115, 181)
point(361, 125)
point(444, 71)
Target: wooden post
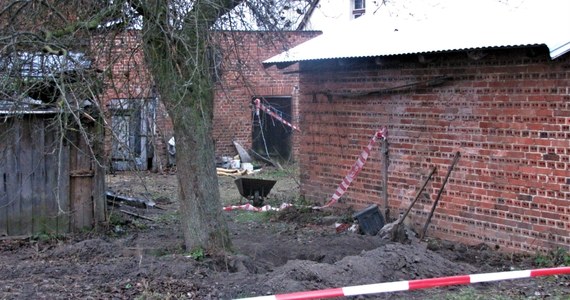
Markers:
point(385, 179)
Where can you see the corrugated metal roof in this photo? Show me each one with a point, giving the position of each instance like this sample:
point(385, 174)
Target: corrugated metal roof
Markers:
point(457, 25)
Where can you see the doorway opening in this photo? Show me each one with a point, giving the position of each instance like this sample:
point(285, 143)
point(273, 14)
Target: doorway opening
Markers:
point(272, 138)
point(132, 121)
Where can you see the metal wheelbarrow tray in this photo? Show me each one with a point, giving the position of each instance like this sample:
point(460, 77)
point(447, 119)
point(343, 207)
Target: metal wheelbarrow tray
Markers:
point(254, 189)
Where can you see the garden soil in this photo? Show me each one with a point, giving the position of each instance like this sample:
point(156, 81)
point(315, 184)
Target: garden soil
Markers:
point(278, 252)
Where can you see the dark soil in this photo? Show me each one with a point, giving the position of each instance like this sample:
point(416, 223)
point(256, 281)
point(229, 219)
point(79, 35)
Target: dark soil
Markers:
point(278, 252)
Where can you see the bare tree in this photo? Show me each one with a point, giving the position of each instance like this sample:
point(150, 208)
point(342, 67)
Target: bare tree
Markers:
point(178, 47)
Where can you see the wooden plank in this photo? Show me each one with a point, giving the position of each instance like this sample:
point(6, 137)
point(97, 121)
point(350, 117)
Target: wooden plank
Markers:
point(13, 180)
point(26, 163)
point(51, 177)
point(385, 163)
point(63, 162)
point(81, 186)
point(99, 190)
point(38, 177)
point(100, 201)
point(82, 203)
point(74, 186)
point(86, 161)
point(3, 198)
point(5, 141)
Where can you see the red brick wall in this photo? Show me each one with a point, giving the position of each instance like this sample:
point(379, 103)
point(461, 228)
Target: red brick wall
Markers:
point(508, 114)
point(244, 77)
point(125, 75)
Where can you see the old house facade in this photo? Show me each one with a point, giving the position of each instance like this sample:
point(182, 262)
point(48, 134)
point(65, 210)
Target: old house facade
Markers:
point(500, 99)
point(139, 126)
point(243, 79)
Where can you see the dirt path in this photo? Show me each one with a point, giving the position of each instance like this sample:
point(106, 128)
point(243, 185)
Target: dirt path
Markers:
point(274, 253)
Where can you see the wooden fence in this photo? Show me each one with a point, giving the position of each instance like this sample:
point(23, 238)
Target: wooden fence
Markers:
point(49, 181)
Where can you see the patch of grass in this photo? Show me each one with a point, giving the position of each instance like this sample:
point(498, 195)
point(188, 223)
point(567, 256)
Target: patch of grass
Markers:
point(288, 170)
point(138, 225)
point(469, 293)
point(233, 199)
point(275, 173)
point(169, 217)
point(252, 216)
point(552, 258)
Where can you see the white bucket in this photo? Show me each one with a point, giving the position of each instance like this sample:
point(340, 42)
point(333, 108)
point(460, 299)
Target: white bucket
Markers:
point(235, 164)
point(247, 166)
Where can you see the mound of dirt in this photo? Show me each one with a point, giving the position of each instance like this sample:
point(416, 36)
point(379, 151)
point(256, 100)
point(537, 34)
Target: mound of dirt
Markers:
point(388, 262)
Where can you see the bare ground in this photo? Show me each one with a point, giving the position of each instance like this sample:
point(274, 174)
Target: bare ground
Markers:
point(295, 250)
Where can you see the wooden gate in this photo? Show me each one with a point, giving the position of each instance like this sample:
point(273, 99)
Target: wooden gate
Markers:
point(49, 180)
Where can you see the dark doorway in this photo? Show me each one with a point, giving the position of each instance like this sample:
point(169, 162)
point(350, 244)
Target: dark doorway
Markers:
point(272, 138)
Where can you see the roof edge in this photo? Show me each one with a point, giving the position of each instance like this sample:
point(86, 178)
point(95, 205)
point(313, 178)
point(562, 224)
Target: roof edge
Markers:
point(554, 53)
point(560, 50)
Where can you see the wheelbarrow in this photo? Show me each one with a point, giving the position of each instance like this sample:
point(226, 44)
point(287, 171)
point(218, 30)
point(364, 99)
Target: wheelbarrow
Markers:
point(254, 189)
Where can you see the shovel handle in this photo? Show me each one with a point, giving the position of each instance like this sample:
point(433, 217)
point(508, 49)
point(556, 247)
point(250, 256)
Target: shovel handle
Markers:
point(455, 159)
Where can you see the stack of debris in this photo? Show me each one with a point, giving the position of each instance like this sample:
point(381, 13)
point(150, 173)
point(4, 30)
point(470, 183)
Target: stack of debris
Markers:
point(238, 165)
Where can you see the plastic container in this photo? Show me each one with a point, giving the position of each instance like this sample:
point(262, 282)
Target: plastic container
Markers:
point(369, 220)
point(235, 164)
point(247, 166)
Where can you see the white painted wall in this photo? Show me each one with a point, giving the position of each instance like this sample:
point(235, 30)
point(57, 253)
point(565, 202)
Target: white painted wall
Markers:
point(330, 14)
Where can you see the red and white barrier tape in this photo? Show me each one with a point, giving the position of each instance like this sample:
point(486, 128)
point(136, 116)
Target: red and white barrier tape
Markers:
point(250, 207)
point(398, 286)
point(260, 106)
point(341, 189)
point(347, 180)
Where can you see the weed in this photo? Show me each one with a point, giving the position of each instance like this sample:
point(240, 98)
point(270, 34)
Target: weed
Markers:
point(46, 237)
point(116, 219)
point(197, 254)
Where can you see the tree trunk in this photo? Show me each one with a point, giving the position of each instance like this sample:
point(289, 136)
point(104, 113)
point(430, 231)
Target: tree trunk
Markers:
point(203, 224)
point(179, 62)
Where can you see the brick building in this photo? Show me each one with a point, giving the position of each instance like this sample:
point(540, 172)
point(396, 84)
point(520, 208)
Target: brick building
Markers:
point(243, 79)
point(500, 98)
point(140, 124)
point(137, 123)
